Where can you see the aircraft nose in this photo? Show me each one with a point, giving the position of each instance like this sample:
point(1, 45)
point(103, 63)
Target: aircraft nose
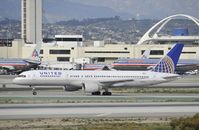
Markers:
point(15, 81)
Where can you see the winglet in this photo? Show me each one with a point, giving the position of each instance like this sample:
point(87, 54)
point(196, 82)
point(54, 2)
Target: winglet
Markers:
point(168, 63)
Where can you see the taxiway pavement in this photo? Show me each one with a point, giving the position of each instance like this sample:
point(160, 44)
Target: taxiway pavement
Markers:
point(25, 111)
point(107, 109)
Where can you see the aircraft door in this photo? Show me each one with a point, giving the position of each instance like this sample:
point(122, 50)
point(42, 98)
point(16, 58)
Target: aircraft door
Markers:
point(67, 79)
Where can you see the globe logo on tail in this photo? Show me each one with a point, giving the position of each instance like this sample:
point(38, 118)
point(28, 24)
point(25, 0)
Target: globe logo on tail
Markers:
point(166, 65)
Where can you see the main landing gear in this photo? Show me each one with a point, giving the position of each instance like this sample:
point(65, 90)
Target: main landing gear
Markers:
point(96, 93)
point(106, 93)
point(34, 93)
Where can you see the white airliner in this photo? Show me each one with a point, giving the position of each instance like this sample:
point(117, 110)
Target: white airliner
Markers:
point(95, 81)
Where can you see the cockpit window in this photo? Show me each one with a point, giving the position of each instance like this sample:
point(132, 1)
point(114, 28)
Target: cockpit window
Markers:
point(22, 76)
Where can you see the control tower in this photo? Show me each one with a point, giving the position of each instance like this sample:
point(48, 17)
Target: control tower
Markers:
point(31, 20)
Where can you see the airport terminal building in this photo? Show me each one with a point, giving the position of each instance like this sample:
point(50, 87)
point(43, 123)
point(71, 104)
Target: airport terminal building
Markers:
point(67, 48)
point(97, 51)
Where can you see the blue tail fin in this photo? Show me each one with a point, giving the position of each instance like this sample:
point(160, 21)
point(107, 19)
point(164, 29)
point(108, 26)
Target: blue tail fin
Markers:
point(168, 63)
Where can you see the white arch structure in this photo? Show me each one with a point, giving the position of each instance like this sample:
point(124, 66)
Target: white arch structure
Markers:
point(162, 23)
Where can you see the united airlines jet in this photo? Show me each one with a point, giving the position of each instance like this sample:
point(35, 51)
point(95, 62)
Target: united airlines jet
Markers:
point(96, 81)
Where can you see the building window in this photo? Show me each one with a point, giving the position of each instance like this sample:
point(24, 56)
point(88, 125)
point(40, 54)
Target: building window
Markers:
point(63, 58)
point(6, 42)
point(41, 51)
point(59, 51)
point(142, 51)
point(69, 39)
point(107, 52)
point(154, 52)
point(157, 52)
point(189, 52)
point(101, 59)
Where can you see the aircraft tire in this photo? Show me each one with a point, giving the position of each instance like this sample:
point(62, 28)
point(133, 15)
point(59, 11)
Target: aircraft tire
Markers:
point(107, 93)
point(96, 93)
point(34, 93)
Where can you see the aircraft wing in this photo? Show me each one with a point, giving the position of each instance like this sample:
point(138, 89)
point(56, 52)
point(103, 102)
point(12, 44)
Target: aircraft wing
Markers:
point(189, 65)
point(185, 68)
point(109, 83)
point(96, 86)
point(32, 61)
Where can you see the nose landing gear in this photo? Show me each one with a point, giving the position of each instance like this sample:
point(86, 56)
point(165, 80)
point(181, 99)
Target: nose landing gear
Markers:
point(107, 93)
point(34, 91)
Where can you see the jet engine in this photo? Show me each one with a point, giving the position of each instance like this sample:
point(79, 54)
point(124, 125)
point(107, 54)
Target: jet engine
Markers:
point(91, 87)
point(71, 88)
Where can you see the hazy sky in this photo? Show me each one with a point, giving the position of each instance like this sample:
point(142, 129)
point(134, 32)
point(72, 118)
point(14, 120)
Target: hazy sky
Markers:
point(148, 8)
point(56, 10)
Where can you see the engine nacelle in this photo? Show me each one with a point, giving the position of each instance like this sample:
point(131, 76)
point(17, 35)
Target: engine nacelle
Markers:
point(91, 87)
point(71, 88)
